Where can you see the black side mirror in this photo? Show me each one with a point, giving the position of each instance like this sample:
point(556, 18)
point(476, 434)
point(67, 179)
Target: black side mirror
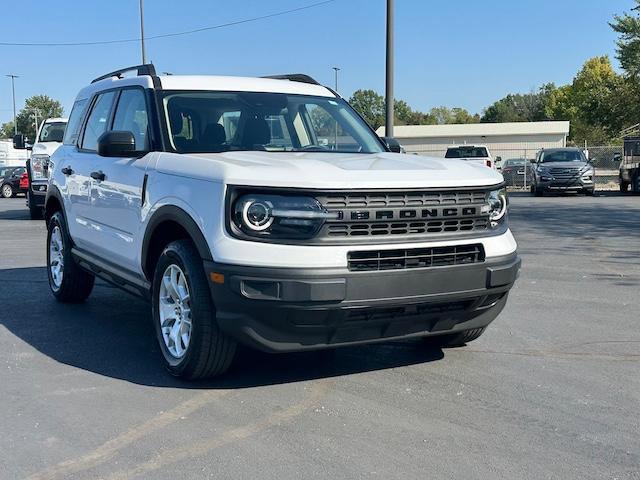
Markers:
point(118, 143)
point(392, 144)
point(533, 160)
point(19, 142)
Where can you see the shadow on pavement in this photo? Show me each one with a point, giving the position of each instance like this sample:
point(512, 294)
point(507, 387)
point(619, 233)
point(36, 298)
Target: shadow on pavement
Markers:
point(112, 335)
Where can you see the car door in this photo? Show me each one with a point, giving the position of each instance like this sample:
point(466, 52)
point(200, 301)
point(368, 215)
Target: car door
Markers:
point(117, 193)
point(77, 164)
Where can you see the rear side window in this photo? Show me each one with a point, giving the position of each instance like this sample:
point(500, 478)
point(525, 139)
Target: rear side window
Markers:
point(71, 133)
point(97, 121)
point(131, 116)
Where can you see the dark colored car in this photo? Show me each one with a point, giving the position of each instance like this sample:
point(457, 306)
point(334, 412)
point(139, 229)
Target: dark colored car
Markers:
point(10, 181)
point(562, 170)
point(513, 171)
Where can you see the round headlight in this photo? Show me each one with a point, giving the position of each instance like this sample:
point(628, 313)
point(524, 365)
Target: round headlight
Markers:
point(497, 205)
point(257, 215)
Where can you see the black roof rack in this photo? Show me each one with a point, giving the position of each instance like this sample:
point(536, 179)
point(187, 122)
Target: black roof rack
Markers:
point(295, 77)
point(147, 69)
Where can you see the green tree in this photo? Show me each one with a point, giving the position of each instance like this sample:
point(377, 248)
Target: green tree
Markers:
point(6, 130)
point(41, 105)
point(370, 105)
point(628, 52)
point(528, 107)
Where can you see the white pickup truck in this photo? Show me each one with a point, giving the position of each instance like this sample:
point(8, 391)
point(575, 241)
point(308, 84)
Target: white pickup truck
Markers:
point(265, 211)
point(478, 154)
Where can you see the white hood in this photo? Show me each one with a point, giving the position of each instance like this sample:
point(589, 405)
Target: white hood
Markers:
point(45, 148)
point(328, 170)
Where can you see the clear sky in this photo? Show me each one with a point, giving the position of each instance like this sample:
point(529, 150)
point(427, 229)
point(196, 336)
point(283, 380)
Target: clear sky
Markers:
point(465, 53)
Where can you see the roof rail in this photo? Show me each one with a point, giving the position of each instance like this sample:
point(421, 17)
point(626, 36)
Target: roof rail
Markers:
point(295, 77)
point(147, 69)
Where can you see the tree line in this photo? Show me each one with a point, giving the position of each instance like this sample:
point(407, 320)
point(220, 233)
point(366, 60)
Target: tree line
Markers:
point(599, 102)
point(38, 107)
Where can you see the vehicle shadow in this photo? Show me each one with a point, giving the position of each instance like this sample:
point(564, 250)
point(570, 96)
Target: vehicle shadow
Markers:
point(112, 335)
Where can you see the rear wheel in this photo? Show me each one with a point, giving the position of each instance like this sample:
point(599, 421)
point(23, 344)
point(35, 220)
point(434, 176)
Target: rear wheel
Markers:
point(7, 191)
point(636, 183)
point(192, 345)
point(67, 281)
point(538, 192)
point(456, 339)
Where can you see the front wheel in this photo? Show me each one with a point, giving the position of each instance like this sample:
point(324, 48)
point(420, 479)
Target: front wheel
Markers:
point(192, 345)
point(7, 191)
point(35, 212)
point(538, 192)
point(624, 186)
point(67, 281)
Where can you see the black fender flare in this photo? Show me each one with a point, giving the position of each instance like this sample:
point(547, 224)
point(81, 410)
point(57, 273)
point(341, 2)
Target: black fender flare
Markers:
point(182, 218)
point(53, 192)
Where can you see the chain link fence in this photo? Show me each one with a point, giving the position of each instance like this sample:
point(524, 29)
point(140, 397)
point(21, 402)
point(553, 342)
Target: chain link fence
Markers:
point(516, 166)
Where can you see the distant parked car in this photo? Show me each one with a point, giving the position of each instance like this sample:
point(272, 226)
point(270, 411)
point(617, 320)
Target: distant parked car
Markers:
point(562, 170)
point(10, 181)
point(471, 153)
point(513, 171)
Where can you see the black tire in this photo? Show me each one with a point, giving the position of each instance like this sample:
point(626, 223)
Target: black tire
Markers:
point(538, 192)
point(590, 192)
point(624, 186)
point(76, 284)
point(635, 184)
point(456, 339)
point(7, 191)
point(209, 352)
point(35, 212)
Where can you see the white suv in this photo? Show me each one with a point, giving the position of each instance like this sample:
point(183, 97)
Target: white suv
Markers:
point(265, 211)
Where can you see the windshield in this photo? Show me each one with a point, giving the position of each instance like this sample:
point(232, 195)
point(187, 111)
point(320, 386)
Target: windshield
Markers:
point(209, 122)
point(563, 156)
point(466, 152)
point(52, 132)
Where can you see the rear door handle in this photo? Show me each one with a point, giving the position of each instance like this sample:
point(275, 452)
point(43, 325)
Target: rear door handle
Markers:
point(67, 170)
point(99, 175)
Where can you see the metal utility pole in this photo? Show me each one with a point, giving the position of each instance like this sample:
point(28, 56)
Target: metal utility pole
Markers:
point(389, 94)
point(337, 69)
point(144, 54)
point(13, 92)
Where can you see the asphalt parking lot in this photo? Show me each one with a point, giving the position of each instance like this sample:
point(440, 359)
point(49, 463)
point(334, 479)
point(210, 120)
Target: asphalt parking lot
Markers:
point(552, 390)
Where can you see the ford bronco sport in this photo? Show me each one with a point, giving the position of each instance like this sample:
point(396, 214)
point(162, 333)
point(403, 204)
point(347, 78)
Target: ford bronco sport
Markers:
point(265, 211)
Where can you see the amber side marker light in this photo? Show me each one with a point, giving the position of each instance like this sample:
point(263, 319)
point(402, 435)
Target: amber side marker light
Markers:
point(216, 277)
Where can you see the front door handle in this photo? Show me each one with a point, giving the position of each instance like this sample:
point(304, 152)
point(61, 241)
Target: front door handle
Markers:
point(67, 170)
point(99, 175)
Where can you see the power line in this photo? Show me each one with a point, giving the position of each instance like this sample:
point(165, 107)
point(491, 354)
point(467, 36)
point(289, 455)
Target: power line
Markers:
point(165, 35)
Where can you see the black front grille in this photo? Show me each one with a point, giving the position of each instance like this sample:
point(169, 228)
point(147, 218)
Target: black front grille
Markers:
point(565, 173)
point(400, 313)
point(400, 259)
point(397, 216)
point(406, 228)
point(410, 199)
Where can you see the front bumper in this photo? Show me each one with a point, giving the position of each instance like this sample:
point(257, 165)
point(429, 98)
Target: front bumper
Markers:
point(574, 184)
point(283, 310)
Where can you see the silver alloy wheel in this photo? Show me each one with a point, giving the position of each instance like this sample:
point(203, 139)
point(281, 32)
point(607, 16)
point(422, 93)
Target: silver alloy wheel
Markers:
point(175, 311)
point(7, 191)
point(56, 257)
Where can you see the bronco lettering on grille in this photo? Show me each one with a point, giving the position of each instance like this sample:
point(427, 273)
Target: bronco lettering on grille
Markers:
point(405, 214)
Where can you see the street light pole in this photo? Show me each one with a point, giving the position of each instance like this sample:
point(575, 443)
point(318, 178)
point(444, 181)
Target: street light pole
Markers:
point(389, 93)
point(144, 54)
point(337, 69)
point(13, 92)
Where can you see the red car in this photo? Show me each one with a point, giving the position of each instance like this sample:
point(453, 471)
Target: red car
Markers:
point(24, 182)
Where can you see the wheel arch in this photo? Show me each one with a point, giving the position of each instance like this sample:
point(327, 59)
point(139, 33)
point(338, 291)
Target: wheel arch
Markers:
point(167, 224)
point(53, 202)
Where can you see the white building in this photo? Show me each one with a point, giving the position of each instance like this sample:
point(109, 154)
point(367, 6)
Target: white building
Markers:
point(506, 140)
